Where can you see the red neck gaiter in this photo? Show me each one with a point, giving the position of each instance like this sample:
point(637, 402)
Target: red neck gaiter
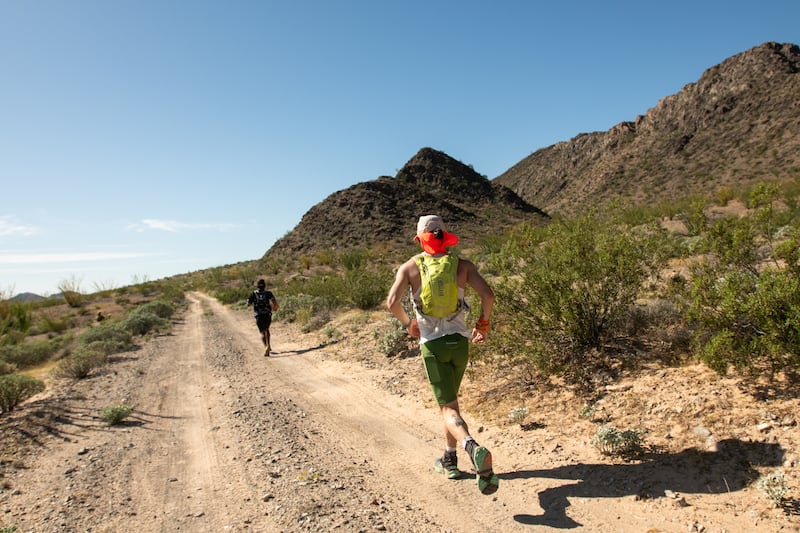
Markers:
point(434, 246)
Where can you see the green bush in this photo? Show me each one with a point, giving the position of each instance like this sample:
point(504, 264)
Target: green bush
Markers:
point(15, 321)
point(159, 308)
point(30, 354)
point(80, 363)
point(565, 289)
point(142, 323)
point(108, 334)
point(7, 368)
point(774, 487)
point(301, 307)
point(744, 305)
point(611, 441)
point(231, 295)
point(116, 414)
point(366, 290)
point(16, 388)
point(391, 339)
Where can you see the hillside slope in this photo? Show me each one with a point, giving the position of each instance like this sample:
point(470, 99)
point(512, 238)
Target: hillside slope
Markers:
point(738, 124)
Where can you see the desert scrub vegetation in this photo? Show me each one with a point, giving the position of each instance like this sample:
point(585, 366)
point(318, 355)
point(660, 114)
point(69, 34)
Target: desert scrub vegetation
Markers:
point(31, 354)
point(71, 291)
point(744, 295)
point(80, 363)
point(116, 413)
point(564, 289)
point(149, 317)
point(16, 388)
point(391, 338)
point(611, 441)
point(15, 321)
point(774, 487)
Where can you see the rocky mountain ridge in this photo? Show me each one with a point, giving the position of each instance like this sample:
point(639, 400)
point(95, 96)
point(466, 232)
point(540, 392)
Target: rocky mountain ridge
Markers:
point(738, 124)
point(386, 209)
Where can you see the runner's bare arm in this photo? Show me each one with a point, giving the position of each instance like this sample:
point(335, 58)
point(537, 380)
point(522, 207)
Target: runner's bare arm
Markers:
point(486, 295)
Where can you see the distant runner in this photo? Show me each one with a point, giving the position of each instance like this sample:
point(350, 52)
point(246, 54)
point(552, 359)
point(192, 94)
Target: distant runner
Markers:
point(437, 280)
point(264, 303)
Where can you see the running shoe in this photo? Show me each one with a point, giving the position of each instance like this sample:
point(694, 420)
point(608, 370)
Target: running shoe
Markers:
point(448, 465)
point(488, 482)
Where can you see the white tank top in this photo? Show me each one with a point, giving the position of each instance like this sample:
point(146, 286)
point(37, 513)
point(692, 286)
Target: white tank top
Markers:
point(431, 327)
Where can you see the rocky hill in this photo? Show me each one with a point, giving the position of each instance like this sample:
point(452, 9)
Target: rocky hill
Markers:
point(738, 124)
point(386, 209)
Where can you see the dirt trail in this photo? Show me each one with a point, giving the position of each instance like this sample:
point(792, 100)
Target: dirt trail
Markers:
point(225, 439)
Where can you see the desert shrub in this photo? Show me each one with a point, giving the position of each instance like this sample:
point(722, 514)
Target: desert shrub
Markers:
point(745, 308)
point(16, 388)
point(15, 321)
point(143, 322)
point(172, 291)
point(52, 324)
point(30, 354)
point(229, 295)
point(71, 291)
point(565, 288)
point(611, 441)
point(332, 333)
point(328, 289)
point(80, 363)
point(108, 334)
point(301, 307)
point(354, 259)
point(7, 368)
point(517, 415)
point(391, 339)
point(773, 486)
point(313, 321)
point(159, 308)
point(115, 414)
point(152, 316)
point(367, 289)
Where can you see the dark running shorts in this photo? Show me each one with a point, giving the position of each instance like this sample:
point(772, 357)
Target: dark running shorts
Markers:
point(263, 321)
point(445, 361)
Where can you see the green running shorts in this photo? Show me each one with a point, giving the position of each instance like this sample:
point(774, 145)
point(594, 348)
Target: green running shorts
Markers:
point(445, 361)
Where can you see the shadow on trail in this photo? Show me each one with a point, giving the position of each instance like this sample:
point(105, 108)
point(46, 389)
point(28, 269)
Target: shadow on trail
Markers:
point(302, 350)
point(690, 471)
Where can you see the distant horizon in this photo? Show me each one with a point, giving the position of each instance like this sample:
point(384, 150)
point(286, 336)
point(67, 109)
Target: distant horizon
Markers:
point(148, 139)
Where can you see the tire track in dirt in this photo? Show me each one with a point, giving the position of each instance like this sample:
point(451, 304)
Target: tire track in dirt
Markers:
point(184, 481)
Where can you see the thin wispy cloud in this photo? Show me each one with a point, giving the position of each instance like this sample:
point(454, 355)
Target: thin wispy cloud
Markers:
point(8, 226)
point(174, 226)
point(72, 257)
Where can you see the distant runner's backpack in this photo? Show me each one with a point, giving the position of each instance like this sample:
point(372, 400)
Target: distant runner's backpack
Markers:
point(261, 302)
point(439, 290)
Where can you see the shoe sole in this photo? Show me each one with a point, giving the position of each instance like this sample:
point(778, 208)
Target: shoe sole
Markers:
point(488, 482)
point(451, 473)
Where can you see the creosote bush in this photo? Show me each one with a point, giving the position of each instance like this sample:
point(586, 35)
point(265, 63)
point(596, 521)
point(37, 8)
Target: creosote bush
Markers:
point(80, 363)
point(564, 290)
point(30, 354)
point(744, 297)
point(16, 388)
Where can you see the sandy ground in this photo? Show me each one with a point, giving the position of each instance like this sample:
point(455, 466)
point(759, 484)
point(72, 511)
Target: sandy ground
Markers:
point(329, 435)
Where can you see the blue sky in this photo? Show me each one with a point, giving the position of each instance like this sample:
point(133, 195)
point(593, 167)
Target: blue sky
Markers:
point(141, 139)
